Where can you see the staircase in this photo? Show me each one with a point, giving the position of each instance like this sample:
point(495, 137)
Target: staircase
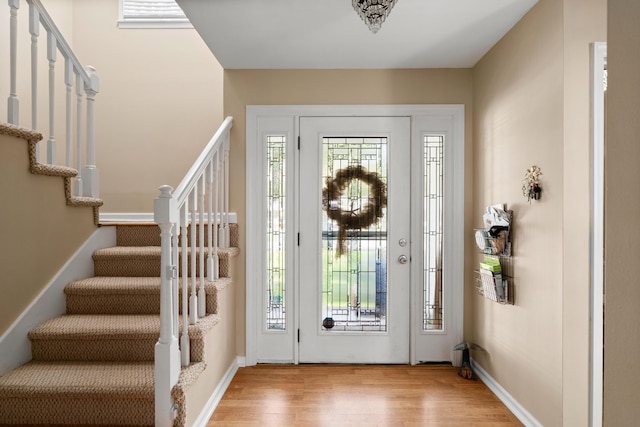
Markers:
point(95, 364)
point(120, 355)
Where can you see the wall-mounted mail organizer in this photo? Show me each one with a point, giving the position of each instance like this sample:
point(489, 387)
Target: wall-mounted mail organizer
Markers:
point(494, 277)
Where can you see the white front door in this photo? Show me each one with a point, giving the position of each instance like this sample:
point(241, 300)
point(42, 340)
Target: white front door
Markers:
point(354, 275)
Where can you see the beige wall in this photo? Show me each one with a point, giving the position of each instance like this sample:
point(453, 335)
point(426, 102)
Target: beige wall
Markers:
point(310, 87)
point(531, 104)
point(518, 113)
point(160, 102)
point(40, 231)
point(622, 210)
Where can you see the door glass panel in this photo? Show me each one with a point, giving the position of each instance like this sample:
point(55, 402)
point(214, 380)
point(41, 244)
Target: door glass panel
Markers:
point(432, 197)
point(275, 238)
point(354, 248)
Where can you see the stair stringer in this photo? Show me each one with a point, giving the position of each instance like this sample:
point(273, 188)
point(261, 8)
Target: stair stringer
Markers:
point(198, 395)
point(66, 173)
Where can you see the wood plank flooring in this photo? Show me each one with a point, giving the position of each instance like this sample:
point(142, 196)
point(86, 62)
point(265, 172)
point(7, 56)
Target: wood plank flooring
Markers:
point(358, 395)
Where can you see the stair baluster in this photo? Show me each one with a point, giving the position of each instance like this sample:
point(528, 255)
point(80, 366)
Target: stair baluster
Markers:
point(184, 228)
point(213, 261)
point(68, 84)
point(226, 193)
point(90, 171)
point(193, 298)
point(34, 30)
point(79, 96)
point(13, 103)
point(201, 275)
point(175, 282)
point(52, 50)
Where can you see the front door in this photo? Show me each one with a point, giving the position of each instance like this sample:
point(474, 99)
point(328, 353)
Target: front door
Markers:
point(354, 275)
point(355, 233)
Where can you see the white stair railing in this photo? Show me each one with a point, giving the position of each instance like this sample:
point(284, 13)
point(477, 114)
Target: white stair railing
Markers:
point(181, 216)
point(87, 86)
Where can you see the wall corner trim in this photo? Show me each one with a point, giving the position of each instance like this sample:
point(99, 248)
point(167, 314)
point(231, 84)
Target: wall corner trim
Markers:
point(514, 406)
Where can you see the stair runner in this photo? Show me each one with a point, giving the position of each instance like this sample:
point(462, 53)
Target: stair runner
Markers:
point(94, 365)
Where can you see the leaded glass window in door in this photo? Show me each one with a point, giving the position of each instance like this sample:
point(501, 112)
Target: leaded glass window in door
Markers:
point(354, 258)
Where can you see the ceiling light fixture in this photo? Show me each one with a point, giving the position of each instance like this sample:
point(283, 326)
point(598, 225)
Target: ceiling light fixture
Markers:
point(373, 12)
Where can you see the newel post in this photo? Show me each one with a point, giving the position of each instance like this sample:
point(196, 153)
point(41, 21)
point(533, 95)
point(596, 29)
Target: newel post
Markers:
point(167, 354)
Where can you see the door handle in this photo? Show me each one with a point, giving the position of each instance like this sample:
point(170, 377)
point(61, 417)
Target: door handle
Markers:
point(402, 259)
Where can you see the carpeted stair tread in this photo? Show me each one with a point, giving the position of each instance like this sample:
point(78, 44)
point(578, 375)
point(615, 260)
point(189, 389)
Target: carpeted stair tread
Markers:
point(143, 252)
point(78, 379)
point(114, 286)
point(128, 295)
point(144, 261)
point(92, 327)
point(149, 235)
point(127, 285)
point(109, 337)
point(79, 393)
point(108, 326)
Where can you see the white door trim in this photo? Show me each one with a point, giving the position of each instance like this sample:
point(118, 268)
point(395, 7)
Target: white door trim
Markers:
point(254, 214)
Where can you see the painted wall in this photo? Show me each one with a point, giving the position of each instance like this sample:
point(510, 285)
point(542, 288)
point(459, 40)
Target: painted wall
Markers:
point(160, 102)
point(531, 105)
point(310, 87)
point(622, 210)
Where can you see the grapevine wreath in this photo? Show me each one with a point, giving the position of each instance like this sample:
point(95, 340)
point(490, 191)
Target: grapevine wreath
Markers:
point(350, 220)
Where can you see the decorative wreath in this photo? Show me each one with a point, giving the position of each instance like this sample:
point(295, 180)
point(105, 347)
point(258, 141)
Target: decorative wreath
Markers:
point(353, 220)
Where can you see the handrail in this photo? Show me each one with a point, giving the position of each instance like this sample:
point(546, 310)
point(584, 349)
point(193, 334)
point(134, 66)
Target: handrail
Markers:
point(63, 46)
point(197, 169)
point(179, 214)
point(87, 85)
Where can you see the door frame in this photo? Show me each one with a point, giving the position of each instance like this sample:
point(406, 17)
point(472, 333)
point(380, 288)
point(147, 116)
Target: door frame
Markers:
point(287, 118)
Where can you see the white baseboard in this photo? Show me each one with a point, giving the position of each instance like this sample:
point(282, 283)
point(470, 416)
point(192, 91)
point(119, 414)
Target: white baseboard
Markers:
point(514, 406)
point(217, 394)
point(15, 347)
point(142, 217)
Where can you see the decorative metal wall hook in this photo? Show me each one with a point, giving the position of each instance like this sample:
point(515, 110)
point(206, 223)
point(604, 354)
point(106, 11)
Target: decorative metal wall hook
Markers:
point(531, 184)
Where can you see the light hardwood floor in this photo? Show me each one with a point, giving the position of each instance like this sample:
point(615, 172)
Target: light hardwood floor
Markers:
point(358, 395)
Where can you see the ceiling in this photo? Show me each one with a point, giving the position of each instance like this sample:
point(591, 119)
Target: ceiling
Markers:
point(281, 34)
